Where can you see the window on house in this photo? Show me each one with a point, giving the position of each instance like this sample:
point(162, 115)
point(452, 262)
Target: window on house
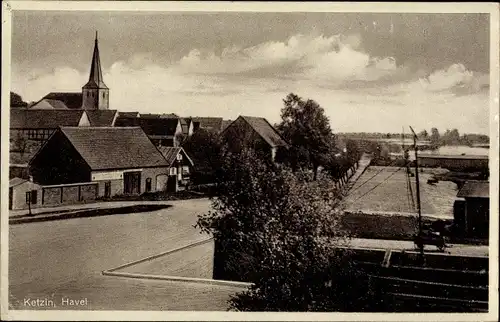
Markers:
point(173, 171)
point(103, 94)
point(148, 185)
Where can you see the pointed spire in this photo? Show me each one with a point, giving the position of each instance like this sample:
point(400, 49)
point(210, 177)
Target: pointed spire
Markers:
point(95, 77)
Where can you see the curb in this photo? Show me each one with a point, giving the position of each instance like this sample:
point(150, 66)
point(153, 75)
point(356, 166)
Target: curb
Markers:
point(89, 213)
point(168, 252)
point(112, 271)
point(177, 279)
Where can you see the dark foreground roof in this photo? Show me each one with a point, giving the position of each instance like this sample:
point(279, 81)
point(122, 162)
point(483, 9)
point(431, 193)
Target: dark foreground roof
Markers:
point(475, 189)
point(114, 148)
point(71, 100)
point(44, 119)
point(101, 117)
point(170, 153)
point(265, 130)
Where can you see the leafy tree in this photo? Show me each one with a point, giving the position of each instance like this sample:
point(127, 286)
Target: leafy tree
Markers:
point(305, 126)
point(423, 135)
point(16, 100)
point(204, 148)
point(278, 229)
point(435, 136)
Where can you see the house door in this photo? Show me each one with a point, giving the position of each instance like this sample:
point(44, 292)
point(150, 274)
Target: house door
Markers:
point(132, 182)
point(161, 182)
point(107, 189)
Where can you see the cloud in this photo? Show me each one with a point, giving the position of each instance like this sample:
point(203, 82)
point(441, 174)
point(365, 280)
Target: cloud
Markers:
point(359, 92)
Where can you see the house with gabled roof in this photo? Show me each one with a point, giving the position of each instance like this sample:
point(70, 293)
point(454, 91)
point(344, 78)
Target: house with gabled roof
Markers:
point(180, 164)
point(254, 132)
point(34, 124)
point(122, 160)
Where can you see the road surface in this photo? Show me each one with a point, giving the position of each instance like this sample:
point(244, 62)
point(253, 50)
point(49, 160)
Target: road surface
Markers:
point(63, 259)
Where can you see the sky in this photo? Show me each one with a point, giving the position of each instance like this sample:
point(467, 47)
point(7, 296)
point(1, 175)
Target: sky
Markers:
point(371, 72)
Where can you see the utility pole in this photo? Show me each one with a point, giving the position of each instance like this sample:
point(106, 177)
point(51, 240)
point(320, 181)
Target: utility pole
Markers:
point(418, 195)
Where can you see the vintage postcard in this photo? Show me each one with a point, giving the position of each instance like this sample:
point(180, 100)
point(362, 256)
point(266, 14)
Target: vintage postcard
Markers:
point(249, 161)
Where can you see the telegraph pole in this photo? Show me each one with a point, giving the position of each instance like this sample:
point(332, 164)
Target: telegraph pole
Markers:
point(418, 195)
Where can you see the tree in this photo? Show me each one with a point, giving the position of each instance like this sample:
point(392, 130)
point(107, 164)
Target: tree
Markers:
point(204, 148)
point(435, 137)
point(305, 126)
point(423, 135)
point(16, 100)
point(279, 230)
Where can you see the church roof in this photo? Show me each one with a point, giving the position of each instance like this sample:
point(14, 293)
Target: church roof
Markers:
point(61, 100)
point(95, 77)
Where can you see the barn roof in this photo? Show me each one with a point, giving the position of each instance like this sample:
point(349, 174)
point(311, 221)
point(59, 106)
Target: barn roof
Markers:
point(170, 153)
point(475, 189)
point(114, 147)
point(151, 126)
point(101, 117)
point(265, 130)
point(44, 119)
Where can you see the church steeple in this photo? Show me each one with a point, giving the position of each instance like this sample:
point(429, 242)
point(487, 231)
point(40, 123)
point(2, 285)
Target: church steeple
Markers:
point(95, 93)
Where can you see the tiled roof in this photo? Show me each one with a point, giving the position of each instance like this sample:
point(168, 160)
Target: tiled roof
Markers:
point(209, 123)
point(170, 153)
point(44, 119)
point(475, 189)
point(101, 117)
point(114, 148)
point(16, 181)
point(71, 100)
point(265, 130)
point(152, 126)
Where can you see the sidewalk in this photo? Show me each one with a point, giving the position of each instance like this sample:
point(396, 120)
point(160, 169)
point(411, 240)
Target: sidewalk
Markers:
point(79, 207)
point(87, 210)
point(363, 164)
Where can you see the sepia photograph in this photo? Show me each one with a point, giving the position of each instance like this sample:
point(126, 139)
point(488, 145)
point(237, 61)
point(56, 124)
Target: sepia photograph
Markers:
point(223, 159)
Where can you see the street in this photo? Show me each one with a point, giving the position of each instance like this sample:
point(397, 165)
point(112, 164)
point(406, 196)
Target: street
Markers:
point(64, 259)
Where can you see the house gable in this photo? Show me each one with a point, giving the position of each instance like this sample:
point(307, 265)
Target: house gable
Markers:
point(58, 162)
point(84, 120)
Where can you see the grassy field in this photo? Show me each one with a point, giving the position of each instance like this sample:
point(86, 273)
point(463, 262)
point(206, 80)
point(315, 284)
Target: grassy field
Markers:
point(387, 192)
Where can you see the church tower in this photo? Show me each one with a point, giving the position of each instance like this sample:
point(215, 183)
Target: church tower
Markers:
point(95, 94)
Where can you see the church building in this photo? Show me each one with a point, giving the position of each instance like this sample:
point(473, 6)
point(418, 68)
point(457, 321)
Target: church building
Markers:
point(94, 94)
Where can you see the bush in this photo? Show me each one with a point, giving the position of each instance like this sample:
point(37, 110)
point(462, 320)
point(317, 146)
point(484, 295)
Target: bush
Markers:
point(279, 230)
